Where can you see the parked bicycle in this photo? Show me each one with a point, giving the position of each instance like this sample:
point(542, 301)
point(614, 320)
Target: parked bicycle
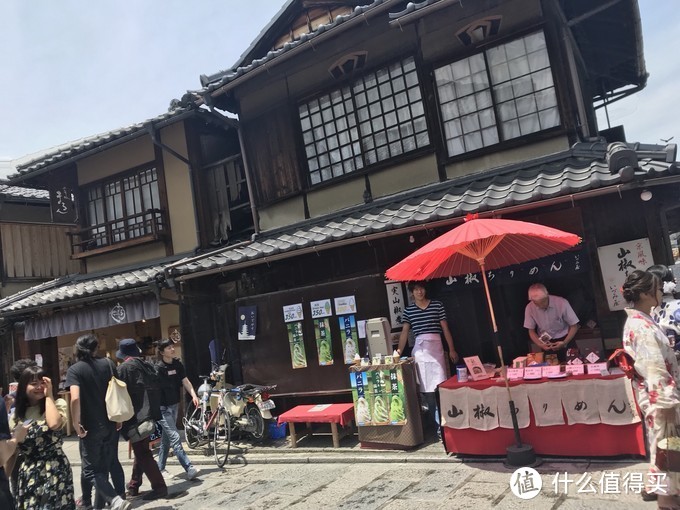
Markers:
point(210, 420)
point(224, 411)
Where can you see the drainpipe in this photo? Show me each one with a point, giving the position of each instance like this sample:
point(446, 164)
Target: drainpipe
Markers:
point(156, 141)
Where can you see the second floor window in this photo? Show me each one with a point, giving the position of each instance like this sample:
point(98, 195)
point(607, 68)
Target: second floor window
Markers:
point(374, 118)
point(500, 94)
point(124, 208)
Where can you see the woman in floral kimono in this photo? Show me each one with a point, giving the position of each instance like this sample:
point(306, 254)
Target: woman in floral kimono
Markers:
point(656, 371)
point(44, 478)
point(667, 314)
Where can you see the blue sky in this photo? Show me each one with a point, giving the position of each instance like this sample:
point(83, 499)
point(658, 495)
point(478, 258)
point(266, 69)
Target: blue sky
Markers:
point(73, 68)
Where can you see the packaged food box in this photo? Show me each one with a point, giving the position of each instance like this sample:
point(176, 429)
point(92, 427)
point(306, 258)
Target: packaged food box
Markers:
point(534, 357)
point(552, 359)
point(519, 362)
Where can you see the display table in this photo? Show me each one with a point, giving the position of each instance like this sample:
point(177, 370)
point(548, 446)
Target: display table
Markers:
point(595, 440)
point(335, 414)
point(385, 382)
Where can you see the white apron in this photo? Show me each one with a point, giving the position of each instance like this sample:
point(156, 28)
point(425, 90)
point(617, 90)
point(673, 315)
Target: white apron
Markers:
point(428, 353)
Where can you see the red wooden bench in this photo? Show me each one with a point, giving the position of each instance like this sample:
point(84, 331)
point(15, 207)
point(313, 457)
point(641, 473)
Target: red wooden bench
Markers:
point(335, 414)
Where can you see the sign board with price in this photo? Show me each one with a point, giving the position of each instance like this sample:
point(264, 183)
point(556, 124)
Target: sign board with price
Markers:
point(321, 308)
point(345, 305)
point(293, 313)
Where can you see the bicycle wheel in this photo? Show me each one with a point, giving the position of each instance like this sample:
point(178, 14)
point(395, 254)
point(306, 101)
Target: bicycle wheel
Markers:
point(255, 422)
point(222, 437)
point(193, 424)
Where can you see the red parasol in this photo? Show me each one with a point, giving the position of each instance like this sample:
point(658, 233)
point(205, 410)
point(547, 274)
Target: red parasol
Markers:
point(481, 245)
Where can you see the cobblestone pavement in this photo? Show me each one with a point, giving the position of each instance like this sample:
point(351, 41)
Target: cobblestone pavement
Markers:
point(392, 486)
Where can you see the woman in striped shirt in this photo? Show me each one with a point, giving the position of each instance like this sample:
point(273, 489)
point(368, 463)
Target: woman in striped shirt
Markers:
point(427, 319)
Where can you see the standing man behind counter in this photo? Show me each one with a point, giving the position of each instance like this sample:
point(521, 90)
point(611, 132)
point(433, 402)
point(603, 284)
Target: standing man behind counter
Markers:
point(551, 321)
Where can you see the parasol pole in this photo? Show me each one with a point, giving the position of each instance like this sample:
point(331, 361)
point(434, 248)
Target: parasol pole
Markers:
point(504, 370)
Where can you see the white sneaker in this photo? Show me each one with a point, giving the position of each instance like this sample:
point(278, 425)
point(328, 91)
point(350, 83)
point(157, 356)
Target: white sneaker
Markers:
point(119, 503)
point(192, 473)
point(166, 474)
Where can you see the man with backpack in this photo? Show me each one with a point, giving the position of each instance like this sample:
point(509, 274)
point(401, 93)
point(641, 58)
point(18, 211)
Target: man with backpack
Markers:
point(144, 387)
point(87, 381)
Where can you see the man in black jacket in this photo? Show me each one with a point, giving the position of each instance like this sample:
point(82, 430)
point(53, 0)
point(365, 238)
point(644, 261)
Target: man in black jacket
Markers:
point(144, 388)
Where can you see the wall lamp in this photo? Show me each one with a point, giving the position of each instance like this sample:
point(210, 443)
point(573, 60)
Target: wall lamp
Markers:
point(646, 195)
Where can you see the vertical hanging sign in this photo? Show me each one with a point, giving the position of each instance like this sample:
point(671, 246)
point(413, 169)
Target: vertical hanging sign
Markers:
point(346, 306)
point(349, 337)
point(617, 261)
point(321, 310)
point(247, 322)
point(395, 302)
point(293, 316)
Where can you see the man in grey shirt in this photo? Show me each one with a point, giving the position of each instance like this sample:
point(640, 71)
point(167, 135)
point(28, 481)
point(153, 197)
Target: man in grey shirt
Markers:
point(550, 320)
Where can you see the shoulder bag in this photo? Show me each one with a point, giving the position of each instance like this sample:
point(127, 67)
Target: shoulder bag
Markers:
point(118, 402)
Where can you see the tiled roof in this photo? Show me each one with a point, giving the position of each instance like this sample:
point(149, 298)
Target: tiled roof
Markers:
point(69, 150)
point(583, 168)
point(67, 288)
point(217, 80)
point(24, 193)
point(412, 7)
point(580, 169)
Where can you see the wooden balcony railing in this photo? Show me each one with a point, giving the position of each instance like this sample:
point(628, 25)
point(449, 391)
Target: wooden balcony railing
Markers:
point(144, 227)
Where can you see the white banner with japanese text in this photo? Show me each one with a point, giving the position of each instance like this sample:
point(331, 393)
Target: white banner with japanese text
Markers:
point(617, 261)
point(483, 409)
point(453, 405)
point(546, 404)
point(580, 402)
point(616, 402)
point(521, 402)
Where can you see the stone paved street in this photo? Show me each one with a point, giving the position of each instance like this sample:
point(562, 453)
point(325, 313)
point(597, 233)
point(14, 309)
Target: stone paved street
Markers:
point(378, 480)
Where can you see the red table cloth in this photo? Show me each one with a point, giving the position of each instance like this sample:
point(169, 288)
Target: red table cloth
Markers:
point(334, 413)
point(599, 440)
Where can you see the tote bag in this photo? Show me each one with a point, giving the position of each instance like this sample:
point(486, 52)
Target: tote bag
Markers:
point(118, 402)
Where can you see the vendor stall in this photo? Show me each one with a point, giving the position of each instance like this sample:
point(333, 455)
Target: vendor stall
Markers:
point(582, 415)
point(386, 405)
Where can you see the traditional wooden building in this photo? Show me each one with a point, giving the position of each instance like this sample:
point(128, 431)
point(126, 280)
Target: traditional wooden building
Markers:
point(371, 127)
point(137, 198)
point(33, 250)
point(365, 129)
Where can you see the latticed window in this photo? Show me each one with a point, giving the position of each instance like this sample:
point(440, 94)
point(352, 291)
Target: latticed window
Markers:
point(124, 208)
point(374, 118)
point(503, 93)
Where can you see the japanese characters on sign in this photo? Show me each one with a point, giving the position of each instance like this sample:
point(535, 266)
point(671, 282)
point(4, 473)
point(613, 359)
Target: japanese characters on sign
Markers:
point(293, 313)
point(247, 322)
point(297, 344)
point(349, 337)
point(321, 308)
point(345, 305)
point(395, 302)
point(324, 342)
point(562, 264)
point(379, 397)
point(617, 261)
